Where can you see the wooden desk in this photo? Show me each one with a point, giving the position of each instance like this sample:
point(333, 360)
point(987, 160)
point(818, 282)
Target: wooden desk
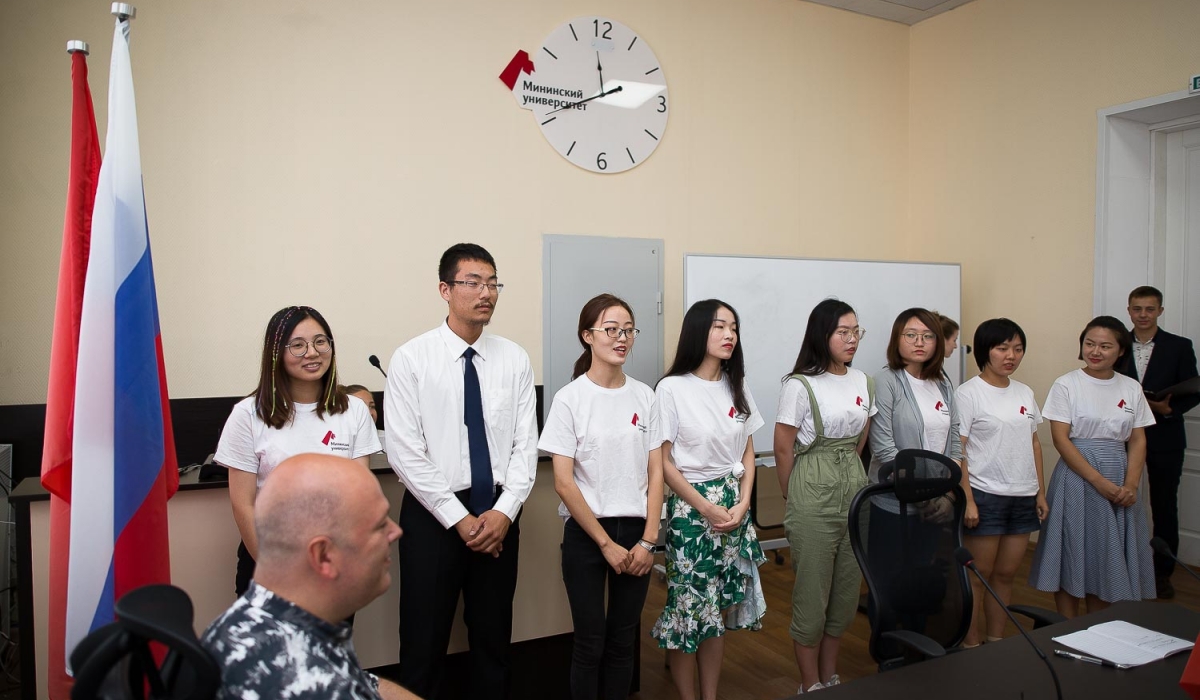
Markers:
point(1010, 669)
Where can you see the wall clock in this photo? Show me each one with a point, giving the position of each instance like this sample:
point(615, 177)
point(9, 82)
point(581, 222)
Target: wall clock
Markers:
point(598, 94)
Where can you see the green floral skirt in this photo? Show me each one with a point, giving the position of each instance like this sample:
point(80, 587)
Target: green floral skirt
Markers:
point(712, 577)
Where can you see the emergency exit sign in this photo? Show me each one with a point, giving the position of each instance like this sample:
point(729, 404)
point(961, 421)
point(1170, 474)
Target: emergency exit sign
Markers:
point(1194, 85)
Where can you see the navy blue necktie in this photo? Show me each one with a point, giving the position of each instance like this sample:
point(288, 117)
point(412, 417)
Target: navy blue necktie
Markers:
point(482, 489)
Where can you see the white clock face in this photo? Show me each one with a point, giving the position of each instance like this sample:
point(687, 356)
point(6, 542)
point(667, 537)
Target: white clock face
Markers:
point(599, 95)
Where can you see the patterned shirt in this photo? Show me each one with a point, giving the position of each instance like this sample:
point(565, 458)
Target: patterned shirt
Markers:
point(1141, 356)
point(268, 647)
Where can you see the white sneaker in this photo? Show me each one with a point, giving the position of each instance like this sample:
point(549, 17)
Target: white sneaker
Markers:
point(814, 686)
point(833, 680)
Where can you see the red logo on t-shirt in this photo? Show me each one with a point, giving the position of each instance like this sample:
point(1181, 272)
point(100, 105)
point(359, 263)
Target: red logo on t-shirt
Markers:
point(732, 411)
point(328, 436)
point(1022, 410)
point(635, 419)
point(1121, 403)
point(857, 400)
point(937, 406)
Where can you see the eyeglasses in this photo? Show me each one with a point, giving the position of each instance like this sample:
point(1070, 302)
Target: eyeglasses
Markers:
point(848, 334)
point(615, 333)
point(474, 285)
point(299, 347)
point(912, 337)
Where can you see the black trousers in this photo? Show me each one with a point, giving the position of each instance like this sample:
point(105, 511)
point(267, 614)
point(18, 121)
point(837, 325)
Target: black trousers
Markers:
point(1164, 470)
point(602, 660)
point(245, 570)
point(435, 567)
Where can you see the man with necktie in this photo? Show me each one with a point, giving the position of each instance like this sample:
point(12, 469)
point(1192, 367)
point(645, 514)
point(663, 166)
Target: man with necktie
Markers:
point(1160, 360)
point(461, 432)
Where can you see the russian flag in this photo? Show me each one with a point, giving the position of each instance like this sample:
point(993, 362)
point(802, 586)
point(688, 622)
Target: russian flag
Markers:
point(123, 452)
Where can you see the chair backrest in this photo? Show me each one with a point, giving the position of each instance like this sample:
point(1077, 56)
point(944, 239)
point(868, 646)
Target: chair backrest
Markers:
point(904, 531)
point(117, 661)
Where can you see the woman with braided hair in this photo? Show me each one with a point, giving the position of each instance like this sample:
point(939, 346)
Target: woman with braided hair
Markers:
point(296, 408)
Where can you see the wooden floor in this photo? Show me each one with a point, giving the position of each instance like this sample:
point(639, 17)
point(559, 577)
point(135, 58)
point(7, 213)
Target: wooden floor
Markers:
point(760, 665)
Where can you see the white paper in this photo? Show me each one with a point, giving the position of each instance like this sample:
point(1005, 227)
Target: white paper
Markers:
point(1163, 644)
point(1123, 643)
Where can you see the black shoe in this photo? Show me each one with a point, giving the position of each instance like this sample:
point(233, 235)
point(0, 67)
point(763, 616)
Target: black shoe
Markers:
point(1164, 588)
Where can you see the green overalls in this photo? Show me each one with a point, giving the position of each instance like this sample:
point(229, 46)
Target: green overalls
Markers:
point(825, 477)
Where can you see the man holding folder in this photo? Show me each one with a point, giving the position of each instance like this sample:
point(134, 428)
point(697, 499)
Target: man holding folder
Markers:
point(1161, 360)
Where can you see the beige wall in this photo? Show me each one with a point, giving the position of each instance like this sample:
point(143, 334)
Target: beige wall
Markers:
point(298, 154)
point(308, 152)
point(1002, 137)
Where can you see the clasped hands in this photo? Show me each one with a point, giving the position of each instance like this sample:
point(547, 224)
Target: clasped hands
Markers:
point(636, 561)
point(484, 534)
point(726, 519)
point(1117, 495)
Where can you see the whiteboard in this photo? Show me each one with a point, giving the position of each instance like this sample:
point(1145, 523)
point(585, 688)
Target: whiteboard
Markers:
point(774, 296)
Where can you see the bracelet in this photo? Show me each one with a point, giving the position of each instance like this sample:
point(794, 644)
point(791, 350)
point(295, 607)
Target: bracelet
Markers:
point(648, 546)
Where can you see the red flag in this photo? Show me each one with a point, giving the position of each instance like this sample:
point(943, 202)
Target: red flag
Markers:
point(60, 396)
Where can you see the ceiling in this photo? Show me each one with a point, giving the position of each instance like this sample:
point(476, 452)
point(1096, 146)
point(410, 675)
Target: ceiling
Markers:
point(903, 11)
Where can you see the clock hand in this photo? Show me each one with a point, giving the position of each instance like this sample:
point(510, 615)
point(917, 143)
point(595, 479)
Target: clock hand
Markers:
point(600, 69)
point(573, 105)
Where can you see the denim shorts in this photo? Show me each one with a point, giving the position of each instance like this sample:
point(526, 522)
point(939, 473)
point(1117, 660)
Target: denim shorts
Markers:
point(1003, 515)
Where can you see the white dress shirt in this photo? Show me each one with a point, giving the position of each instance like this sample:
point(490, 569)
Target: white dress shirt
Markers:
point(423, 420)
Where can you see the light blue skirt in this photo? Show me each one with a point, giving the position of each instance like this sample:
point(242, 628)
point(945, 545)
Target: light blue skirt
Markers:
point(1088, 545)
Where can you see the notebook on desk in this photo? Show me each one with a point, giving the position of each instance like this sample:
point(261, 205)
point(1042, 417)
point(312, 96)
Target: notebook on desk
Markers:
point(1124, 643)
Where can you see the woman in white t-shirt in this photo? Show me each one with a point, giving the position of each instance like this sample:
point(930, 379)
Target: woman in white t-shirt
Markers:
point(917, 410)
point(608, 471)
point(1096, 544)
point(1002, 470)
point(297, 408)
point(706, 417)
point(821, 427)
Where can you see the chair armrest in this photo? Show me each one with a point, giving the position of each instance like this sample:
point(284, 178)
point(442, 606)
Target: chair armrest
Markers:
point(1041, 617)
point(916, 642)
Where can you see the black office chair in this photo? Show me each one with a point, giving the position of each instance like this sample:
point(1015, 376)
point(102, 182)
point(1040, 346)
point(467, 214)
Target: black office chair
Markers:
point(904, 531)
point(116, 661)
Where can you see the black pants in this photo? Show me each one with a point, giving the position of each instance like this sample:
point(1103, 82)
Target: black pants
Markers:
point(435, 566)
point(1164, 470)
point(245, 570)
point(602, 661)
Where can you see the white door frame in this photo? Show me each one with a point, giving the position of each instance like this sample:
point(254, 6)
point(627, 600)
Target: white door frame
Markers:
point(1131, 236)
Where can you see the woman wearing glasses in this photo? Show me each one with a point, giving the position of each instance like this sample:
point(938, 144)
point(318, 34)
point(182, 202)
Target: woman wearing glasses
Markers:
point(608, 471)
point(296, 408)
point(706, 416)
point(916, 400)
point(1002, 470)
point(824, 413)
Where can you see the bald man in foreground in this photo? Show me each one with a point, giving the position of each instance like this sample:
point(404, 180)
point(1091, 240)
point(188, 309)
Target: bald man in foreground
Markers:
point(324, 552)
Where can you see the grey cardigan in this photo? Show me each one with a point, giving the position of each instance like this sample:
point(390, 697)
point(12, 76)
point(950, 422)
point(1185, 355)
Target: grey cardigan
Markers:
point(898, 425)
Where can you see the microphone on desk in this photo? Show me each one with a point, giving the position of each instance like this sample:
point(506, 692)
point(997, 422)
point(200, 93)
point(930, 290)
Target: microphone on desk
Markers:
point(1160, 546)
point(375, 363)
point(965, 558)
